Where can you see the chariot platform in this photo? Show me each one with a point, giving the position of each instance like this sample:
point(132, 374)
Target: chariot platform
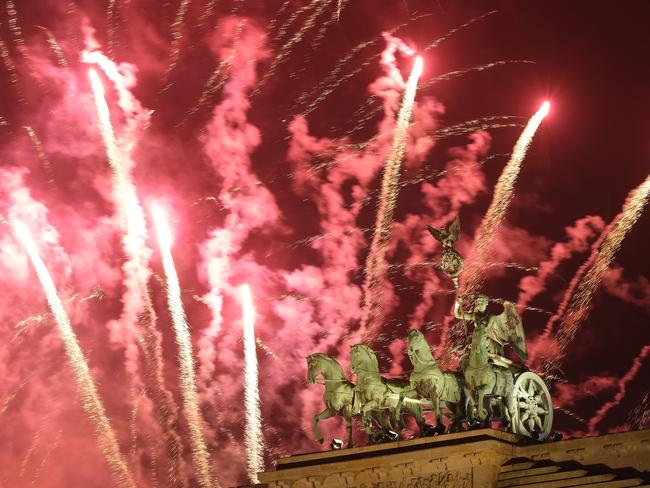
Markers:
point(477, 459)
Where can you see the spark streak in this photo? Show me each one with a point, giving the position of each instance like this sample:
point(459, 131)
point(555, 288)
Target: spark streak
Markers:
point(495, 214)
point(10, 66)
point(629, 376)
point(90, 400)
point(177, 37)
point(576, 303)
point(254, 440)
point(56, 47)
point(285, 50)
point(376, 260)
point(40, 152)
point(137, 299)
point(189, 391)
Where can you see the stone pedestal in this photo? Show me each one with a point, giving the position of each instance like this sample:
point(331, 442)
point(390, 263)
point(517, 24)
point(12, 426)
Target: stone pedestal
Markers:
point(475, 459)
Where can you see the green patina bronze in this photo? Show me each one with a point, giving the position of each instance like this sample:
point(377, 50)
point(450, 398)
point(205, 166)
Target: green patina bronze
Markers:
point(487, 386)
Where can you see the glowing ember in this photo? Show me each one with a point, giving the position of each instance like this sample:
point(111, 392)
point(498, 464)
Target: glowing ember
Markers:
point(576, 304)
point(90, 400)
point(472, 276)
point(503, 191)
point(138, 308)
point(376, 261)
point(200, 453)
point(254, 439)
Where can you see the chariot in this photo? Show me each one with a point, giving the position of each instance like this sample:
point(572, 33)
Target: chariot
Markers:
point(486, 387)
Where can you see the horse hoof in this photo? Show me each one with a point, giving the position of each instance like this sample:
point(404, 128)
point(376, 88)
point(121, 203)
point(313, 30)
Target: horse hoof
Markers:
point(439, 428)
point(427, 431)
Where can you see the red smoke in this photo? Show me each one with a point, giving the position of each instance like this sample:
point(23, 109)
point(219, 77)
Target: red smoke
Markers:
point(256, 195)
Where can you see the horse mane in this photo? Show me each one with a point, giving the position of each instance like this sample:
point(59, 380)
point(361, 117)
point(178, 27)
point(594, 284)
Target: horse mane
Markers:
point(371, 354)
point(329, 360)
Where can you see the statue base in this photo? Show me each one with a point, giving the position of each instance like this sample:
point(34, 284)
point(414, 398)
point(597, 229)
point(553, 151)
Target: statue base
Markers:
point(477, 458)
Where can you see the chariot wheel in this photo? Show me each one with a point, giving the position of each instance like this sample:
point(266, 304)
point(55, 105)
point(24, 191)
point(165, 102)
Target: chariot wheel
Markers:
point(530, 407)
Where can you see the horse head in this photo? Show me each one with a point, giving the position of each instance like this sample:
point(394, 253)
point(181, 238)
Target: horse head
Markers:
point(315, 366)
point(418, 348)
point(363, 359)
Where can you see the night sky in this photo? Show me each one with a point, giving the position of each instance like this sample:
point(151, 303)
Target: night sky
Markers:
point(263, 190)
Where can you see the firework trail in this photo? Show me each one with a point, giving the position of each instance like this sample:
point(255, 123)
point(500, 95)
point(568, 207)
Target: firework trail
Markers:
point(579, 236)
point(218, 77)
point(10, 398)
point(453, 31)
point(189, 392)
point(254, 440)
point(56, 47)
point(177, 37)
point(47, 167)
point(285, 50)
point(481, 67)
point(111, 22)
point(138, 307)
point(207, 12)
point(622, 384)
point(577, 299)
point(19, 42)
point(495, 214)
point(333, 80)
point(639, 417)
point(375, 268)
point(292, 18)
point(10, 66)
point(482, 123)
point(336, 14)
point(88, 394)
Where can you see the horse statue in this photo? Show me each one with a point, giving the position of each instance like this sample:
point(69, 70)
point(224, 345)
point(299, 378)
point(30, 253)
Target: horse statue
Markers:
point(489, 375)
point(339, 396)
point(377, 393)
point(431, 383)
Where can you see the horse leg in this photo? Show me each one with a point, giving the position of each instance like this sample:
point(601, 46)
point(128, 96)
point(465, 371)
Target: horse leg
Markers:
point(440, 427)
point(482, 413)
point(325, 414)
point(416, 413)
point(365, 415)
point(348, 426)
point(398, 412)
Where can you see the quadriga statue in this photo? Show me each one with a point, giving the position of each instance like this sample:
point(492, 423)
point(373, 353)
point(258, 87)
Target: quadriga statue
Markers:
point(378, 393)
point(429, 382)
point(340, 398)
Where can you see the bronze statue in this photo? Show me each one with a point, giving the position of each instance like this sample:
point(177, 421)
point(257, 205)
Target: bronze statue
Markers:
point(487, 385)
point(451, 263)
point(377, 393)
point(430, 382)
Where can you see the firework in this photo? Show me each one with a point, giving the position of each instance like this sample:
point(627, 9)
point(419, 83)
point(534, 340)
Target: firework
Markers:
point(376, 261)
point(40, 152)
point(495, 214)
point(254, 441)
point(90, 400)
point(137, 299)
point(285, 50)
point(177, 37)
point(629, 376)
point(576, 303)
point(200, 454)
point(10, 66)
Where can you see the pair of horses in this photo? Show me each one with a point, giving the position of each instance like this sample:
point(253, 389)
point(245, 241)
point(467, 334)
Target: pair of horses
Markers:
point(379, 401)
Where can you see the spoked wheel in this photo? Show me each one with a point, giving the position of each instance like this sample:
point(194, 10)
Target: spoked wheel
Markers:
point(530, 407)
